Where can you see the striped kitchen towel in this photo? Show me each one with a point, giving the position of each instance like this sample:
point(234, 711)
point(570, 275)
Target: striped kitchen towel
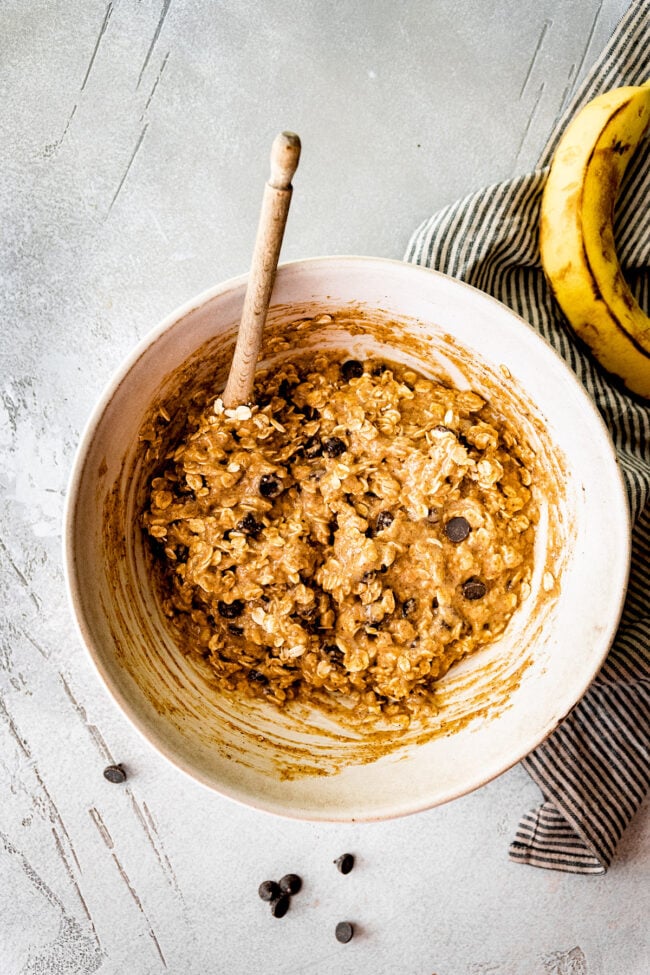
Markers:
point(594, 770)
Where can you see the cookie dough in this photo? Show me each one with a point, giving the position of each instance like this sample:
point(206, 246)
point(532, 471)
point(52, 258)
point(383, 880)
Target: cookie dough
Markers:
point(346, 539)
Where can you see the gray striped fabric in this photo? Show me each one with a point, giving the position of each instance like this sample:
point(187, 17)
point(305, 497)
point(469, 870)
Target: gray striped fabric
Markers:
point(594, 770)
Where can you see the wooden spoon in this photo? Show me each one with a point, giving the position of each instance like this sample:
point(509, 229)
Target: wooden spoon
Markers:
point(285, 153)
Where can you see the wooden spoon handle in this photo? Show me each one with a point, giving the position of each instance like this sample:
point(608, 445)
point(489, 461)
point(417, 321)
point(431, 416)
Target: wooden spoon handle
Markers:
point(285, 153)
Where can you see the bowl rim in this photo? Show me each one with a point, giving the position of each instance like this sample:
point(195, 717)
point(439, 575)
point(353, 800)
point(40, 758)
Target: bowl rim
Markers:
point(70, 569)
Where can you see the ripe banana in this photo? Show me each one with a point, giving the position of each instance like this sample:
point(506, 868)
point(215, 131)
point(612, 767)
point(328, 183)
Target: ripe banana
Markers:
point(576, 232)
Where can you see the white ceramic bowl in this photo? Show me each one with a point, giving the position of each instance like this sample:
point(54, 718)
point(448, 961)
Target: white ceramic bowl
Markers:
point(498, 704)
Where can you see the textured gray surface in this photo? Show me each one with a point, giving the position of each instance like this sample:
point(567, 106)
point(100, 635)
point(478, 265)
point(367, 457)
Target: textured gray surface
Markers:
point(134, 147)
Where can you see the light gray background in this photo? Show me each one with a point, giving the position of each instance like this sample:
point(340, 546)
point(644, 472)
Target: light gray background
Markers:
point(134, 147)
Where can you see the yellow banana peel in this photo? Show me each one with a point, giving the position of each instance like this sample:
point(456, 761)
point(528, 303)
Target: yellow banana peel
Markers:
point(577, 243)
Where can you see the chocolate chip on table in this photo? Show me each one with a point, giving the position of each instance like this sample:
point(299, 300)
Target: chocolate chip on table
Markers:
point(269, 890)
point(230, 611)
point(280, 905)
point(257, 676)
point(249, 525)
point(384, 520)
point(344, 863)
point(457, 529)
point(344, 932)
point(270, 486)
point(408, 606)
point(334, 447)
point(351, 369)
point(115, 773)
point(290, 883)
point(474, 589)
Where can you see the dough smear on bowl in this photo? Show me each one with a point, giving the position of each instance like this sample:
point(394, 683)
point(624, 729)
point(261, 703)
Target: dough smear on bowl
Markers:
point(345, 540)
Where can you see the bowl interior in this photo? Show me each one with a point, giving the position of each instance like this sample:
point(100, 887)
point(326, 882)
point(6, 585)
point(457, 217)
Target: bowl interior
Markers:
point(496, 705)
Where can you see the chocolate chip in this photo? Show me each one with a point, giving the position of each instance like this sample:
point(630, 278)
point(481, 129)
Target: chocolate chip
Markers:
point(344, 863)
point(280, 905)
point(334, 447)
point(474, 589)
point(257, 677)
point(230, 611)
point(383, 568)
point(284, 389)
point(434, 603)
point(290, 883)
point(250, 526)
point(235, 630)
point(457, 529)
point(344, 932)
point(351, 369)
point(333, 652)
point(270, 486)
point(309, 412)
point(380, 368)
point(384, 520)
point(269, 890)
point(313, 448)
point(408, 606)
point(115, 773)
